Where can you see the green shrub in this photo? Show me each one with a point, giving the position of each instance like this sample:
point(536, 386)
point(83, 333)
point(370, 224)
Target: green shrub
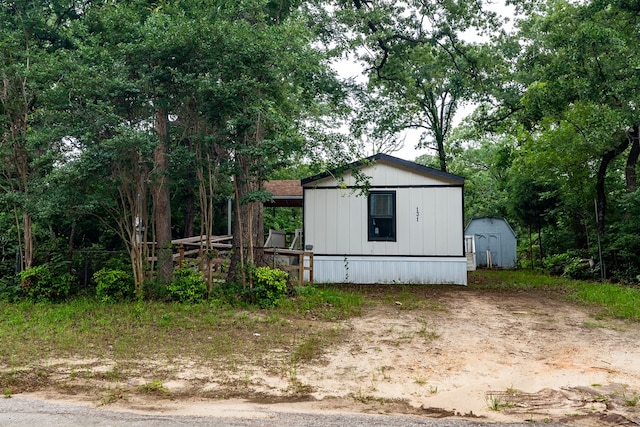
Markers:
point(155, 290)
point(270, 285)
point(229, 293)
point(579, 269)
point(9, 289)
point(39, 284)
point(188, 286)
point(113, 285)
point(569, 265)
point(555, 264)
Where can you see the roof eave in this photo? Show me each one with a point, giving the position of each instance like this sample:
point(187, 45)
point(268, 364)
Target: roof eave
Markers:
point(418, 168)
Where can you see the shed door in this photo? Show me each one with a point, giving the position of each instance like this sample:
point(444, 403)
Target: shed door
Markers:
point(494, 247)
point(488, 242)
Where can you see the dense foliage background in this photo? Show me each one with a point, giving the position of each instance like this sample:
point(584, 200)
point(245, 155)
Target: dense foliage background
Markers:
point(131, 121)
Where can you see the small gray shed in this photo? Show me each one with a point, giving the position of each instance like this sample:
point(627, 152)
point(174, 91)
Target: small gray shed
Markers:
point(495, 241)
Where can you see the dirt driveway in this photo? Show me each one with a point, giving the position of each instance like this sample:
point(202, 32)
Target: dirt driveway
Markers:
point(457, 352)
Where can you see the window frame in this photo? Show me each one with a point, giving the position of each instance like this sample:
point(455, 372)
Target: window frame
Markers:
point(370, 226)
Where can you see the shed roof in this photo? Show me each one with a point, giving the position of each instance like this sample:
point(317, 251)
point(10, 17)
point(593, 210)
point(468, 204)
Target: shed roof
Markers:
point(393, 161)
point(286, 193)
point(491, 219)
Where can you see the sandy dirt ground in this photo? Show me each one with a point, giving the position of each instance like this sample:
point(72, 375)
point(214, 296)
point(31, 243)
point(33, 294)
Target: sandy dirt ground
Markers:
point(485, 355)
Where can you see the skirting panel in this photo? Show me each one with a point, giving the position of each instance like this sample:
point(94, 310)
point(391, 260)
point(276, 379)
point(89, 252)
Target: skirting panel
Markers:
point(363, 269)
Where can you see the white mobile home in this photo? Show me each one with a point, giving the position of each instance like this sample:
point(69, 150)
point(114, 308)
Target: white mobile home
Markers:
point(405, 226)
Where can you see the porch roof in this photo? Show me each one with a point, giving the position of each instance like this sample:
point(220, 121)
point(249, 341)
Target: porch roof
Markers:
point(286, 193)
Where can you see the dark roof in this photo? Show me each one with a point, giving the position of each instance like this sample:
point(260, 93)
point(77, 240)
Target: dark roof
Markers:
point(395, 161)
point(286, 193)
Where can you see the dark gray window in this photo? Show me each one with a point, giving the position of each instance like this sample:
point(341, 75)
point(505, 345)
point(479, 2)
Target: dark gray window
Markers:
point(382, 216)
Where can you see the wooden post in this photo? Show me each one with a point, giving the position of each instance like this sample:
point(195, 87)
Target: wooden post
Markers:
point(181, 255)
point(301, 268)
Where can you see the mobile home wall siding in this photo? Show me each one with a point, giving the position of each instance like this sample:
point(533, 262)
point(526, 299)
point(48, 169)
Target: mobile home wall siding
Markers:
point(333, 220)
point(429, 222)
point(369, 270)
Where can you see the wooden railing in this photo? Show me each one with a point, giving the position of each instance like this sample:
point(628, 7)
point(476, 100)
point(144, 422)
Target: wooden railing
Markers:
point(289, 260)
point(280, 254)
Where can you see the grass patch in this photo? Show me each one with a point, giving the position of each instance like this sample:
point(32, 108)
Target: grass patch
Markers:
point(632, 401)
point(518, 280)
point(323, 302)
point(427, 332)
point(497, 401)
point(419, 380)
point(622, 302)
point(405, 298)
point(112, 396)
point(309, 349)
point(593, 325)
point(616, 301)
point(155, 387)
point(128, 333)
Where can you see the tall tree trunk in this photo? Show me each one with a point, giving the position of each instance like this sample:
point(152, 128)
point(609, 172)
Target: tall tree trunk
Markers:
point(250, 240)
point(19, 235)
point(438, 128)
point(580, 239)
point(630, 172)
point(237, 258)
point(540, 242)
point(162, 199)
point(28, 240)
point(601, 195)
point(248, 218)
point(248, 233)
point(442, 155)
point(531, 257)
point(16, 103)
point(72, 233)
point(133, 220)
point(27, 222)
point(206, 189)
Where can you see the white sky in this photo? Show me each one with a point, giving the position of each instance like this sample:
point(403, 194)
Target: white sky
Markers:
point(349, 69)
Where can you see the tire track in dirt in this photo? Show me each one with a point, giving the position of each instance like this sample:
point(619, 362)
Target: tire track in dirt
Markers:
point(488, 345)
